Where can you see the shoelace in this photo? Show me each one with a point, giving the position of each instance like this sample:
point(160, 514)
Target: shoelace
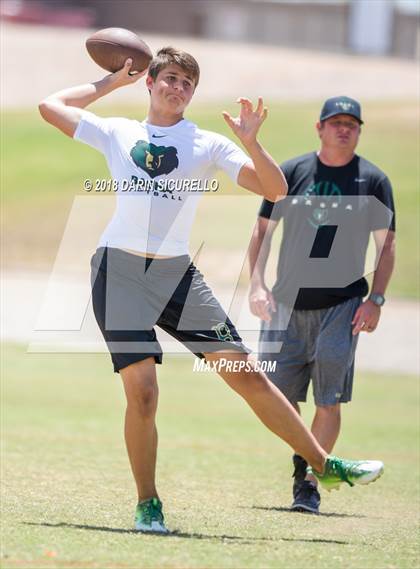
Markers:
point(307, 490)
point(145, 512)
point(150, 512)
point(336, 466)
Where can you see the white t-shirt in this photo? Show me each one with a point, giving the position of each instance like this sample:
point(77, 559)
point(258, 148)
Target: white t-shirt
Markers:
point(153, 166)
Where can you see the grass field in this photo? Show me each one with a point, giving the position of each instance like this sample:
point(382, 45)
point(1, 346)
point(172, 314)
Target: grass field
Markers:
point(43, 171)
point(68, 496)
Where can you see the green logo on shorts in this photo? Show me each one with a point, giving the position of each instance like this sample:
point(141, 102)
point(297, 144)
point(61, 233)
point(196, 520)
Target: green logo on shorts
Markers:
point(223, 332)
point(154, 160)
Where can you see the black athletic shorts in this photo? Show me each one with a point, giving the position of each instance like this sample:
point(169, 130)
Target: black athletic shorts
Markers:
point(131, 294)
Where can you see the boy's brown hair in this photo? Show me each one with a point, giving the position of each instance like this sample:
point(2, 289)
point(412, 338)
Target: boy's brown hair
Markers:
point(169, 56)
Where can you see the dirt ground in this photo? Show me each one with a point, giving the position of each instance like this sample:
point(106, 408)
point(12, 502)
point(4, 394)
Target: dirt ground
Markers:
point(36, 61)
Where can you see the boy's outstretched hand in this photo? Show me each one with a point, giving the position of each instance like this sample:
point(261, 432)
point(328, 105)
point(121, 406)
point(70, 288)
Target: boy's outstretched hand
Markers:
point(247, 125)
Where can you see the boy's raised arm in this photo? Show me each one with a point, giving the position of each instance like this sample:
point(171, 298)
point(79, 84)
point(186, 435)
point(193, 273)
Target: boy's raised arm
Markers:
point(63, 109)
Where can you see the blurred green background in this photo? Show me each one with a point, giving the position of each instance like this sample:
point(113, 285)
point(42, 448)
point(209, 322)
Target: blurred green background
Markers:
point(43, 171)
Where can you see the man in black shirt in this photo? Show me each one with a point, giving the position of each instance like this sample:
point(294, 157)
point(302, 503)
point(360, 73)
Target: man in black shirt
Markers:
point(313, 315)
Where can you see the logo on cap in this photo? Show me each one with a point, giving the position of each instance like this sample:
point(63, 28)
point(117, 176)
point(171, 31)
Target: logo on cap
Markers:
point(345, 106)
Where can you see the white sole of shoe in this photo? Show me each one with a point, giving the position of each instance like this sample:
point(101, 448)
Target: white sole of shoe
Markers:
point(373, 475)
point(156, 527)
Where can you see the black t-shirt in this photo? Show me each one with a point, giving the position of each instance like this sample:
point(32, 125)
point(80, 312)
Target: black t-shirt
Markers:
point(322, 199)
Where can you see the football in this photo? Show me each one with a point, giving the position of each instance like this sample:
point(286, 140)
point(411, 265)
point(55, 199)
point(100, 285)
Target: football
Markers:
point(110, 48)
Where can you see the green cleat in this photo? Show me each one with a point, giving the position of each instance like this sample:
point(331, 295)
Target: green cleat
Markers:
point(338, 470)
point(149, 517)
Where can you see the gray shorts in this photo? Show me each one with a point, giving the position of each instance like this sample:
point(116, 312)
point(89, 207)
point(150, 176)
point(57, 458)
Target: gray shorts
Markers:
point(133, 294)
point(317, 345)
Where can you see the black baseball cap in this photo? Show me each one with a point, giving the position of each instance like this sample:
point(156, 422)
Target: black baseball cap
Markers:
point(341, 106)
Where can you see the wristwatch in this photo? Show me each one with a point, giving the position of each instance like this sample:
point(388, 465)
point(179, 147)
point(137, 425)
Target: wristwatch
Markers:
point(377, 299)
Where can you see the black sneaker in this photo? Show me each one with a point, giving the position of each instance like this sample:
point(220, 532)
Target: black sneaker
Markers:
point(306, 497)
point(300, 465)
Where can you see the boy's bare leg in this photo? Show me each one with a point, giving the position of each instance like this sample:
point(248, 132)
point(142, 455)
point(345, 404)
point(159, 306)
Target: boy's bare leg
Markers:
point(141, 390)
point(272, 407)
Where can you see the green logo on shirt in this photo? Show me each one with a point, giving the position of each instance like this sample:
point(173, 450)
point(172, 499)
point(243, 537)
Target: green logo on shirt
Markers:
point(327, 196)
point(154, 160)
